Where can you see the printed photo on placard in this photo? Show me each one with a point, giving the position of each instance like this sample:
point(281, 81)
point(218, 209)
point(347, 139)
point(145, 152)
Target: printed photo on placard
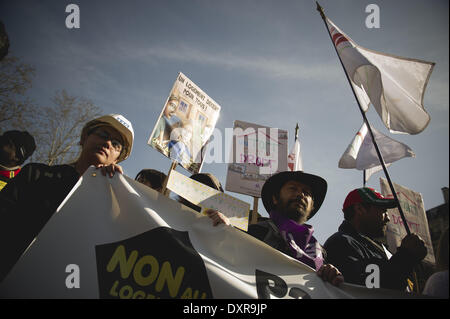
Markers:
point(185, 124)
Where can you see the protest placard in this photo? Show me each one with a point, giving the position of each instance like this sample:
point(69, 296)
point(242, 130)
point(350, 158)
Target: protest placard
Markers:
point(206, 197)
point(257, 153)
point(185, 124)
point(413, 208)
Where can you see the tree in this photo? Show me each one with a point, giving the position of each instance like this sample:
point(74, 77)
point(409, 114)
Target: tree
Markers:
point(15, 80)
point(57, 128)
point(4, 41)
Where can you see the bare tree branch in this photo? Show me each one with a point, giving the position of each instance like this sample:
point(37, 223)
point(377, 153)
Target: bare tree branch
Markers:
point(56, 128)
point(63, 122)
point(15, 80)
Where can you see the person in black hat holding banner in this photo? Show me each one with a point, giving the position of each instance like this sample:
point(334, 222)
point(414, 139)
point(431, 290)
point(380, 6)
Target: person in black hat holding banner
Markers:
point(15, 148)
point(292, 198)
point(355, 251)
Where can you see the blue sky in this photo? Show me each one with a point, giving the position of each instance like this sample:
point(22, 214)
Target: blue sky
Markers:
point(266, 62)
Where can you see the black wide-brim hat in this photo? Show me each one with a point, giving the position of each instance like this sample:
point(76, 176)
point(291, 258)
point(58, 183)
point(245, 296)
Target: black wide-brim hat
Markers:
point(273, 185)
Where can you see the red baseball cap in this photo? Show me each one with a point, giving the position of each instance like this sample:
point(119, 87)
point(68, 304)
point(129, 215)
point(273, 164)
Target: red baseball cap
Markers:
point(369, 196)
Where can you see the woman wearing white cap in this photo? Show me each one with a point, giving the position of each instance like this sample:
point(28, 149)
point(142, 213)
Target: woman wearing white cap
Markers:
point(105, 141)
point(28, 202)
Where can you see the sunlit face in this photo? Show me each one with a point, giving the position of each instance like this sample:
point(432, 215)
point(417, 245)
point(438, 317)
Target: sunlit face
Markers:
point(102, 146)
point(295, 201)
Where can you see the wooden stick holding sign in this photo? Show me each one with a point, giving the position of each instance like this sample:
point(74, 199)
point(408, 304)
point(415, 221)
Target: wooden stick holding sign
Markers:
point(165, 191)
point(254, 219)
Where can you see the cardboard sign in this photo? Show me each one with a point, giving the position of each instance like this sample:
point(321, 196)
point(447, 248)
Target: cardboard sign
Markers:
point(257, 153)
point(185, 124)
point(414, 211)
point(206, 197)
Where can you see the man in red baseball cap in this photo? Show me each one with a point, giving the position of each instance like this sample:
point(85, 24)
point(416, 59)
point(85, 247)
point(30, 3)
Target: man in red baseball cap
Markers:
point(354, 247)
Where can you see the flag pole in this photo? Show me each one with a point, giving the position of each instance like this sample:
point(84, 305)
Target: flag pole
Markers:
point(380, 157)
point(364, 178)
point(296, 132)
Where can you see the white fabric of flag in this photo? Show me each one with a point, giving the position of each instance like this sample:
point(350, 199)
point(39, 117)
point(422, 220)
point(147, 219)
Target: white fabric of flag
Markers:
point(369, 172)
point(361, 154)
point(294, 158)
point(394, 85)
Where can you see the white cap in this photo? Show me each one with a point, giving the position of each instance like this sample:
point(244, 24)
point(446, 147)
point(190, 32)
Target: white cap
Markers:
point(119, 123)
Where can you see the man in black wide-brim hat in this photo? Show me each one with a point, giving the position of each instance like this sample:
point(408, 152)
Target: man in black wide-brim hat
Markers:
point(292, 198)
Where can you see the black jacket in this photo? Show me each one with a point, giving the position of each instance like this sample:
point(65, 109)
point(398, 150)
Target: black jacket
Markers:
point(26, 204)
point(351, 252)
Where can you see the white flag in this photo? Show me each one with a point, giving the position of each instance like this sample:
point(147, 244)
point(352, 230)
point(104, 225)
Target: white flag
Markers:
point(295, 158)
point(394, 85)
point(369, 172)
point(361, 153)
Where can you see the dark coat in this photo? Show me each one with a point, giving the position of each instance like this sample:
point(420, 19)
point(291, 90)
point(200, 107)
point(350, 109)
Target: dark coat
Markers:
point(351, 252)
point(26, 204)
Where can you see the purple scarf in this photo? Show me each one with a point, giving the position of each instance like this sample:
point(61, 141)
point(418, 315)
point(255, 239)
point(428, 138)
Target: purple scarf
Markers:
point(303, 246)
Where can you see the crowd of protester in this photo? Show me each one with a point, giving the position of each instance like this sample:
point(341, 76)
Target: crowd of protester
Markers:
point(30, 195)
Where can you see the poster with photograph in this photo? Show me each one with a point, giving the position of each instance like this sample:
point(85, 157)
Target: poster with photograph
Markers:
point(257, 153)
point(185, 124)
point(414, 211)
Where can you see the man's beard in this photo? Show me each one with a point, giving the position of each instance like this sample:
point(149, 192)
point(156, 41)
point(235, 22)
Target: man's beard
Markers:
point(291, 210)
point(376, 232)
point(380, 232)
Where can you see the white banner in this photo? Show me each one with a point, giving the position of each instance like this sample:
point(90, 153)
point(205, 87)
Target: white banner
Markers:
point(414, 211)
point(117, 238)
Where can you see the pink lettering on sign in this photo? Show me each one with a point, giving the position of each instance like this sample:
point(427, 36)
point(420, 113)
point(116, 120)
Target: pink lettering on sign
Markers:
point(258, 161)
point(397, 220)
